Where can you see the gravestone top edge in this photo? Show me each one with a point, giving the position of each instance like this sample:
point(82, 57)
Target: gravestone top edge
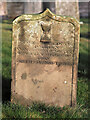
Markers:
point(47, 12)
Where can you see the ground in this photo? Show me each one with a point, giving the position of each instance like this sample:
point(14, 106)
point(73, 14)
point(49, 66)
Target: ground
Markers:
point(10, 110)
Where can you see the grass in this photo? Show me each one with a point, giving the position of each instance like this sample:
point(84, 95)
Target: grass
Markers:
point(43, 111)
point(12, 111)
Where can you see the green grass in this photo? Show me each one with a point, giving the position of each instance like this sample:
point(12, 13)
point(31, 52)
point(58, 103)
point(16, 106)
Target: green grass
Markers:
point(42, 111)
point(12, 111)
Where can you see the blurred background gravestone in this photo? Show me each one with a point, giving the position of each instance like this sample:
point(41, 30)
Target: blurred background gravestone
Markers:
point(33, 7)
point(14, 9)
point(67, 8)
point(3, 9)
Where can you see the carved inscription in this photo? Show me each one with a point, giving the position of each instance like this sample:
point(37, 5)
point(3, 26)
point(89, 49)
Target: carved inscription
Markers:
point(43, 44)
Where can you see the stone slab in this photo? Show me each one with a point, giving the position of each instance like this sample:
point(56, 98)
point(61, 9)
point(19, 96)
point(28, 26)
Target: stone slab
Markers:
point(44, 59)
point(3, 8)
point(67, 8)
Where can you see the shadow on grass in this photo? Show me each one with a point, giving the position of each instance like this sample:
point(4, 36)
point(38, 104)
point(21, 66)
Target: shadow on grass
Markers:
point(83, 65)
point(85, 35)
point(8, 29)
point(6, 89)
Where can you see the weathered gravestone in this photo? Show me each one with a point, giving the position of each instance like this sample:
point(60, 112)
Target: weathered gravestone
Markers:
point(44, 59)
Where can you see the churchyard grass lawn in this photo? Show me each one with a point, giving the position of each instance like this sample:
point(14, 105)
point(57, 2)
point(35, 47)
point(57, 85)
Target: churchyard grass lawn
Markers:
point(10, 110)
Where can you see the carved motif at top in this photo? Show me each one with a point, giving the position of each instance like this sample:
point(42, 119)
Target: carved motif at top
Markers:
point(46, 36)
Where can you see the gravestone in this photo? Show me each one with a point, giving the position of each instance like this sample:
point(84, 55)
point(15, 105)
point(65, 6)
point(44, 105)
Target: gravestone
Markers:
point(3, 8)
point(15, 9)
point(67, 8)
point(32, 7)
point(44, 59)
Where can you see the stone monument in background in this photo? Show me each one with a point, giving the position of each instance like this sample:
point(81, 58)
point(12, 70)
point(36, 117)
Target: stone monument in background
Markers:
point(45, 51)
point(3, 8)
point(33, 7)
point(15, 9)
point(67, 8)
point(59, 7)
